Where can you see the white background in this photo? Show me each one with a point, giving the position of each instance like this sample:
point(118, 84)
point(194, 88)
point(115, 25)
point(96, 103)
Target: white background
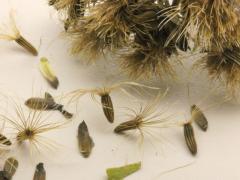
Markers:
point(218, 149)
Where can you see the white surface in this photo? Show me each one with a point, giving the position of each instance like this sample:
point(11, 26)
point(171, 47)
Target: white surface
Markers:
point(218, 156)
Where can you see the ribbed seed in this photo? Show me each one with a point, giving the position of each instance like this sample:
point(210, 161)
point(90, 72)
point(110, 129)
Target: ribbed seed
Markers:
point(10, 166)
point(40, 173)
point(4, 140)
point(27, 45)
point(199, 117)
point(190, 138)
point(126, 126)
point(107, 106)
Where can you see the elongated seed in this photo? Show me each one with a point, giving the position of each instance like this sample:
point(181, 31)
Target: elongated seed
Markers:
point(85, 142)
point(27, 45)
point(107, 106)
point(190, 138)
point(128, 125)
point(40, 173)
point(10, 167)
point(4, 140)
point(199, 117)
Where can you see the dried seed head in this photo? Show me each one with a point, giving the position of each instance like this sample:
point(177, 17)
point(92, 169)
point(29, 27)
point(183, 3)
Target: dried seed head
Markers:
point(13, 34)
point(225, 67)
point(48, 73)
point(101, 31)
point(209, 22)
point(10, 167)
point(199, 117)
point(107, 107)
point(190, 138)
point(85, 141)
point(40, 173)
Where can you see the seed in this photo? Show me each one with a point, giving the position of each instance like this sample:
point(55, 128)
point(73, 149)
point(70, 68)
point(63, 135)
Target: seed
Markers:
point(4, 140)
point(199, 117)
point(85, 142)
point(128, 125)
point(10, 167)
point(107, 107)
point(26, 45)
point(40, 173)
point(48, 73)
point(189, 138)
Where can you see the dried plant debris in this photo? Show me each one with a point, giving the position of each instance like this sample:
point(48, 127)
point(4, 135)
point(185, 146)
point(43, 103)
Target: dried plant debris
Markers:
point(85, 141)
point(12, 33)
point(199, 117)
point(46, 104)
point(9, 169)
point(190, 138)
point(48, 73)
point(40, 173)
point(105, 95)
point(119, 173)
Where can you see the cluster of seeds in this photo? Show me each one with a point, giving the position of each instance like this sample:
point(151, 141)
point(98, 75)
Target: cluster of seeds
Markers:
point(148, 34)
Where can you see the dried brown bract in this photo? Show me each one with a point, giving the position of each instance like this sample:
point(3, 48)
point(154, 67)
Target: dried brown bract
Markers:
point(40, 173)
point(190, 138)
point(85, 141)
point(12, 33)
point(199, 117)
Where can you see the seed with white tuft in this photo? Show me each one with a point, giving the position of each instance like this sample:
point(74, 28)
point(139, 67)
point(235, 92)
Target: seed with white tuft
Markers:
point(107, 107)
point(199, 117)
point(190, 138)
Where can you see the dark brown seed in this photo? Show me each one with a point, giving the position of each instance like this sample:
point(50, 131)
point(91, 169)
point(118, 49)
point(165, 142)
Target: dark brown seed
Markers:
point(190, 138)
point(10, 167)
point(27, 45)
point(40, 173)
point(128, 125)
point(107, 107)
point(199, 117)
point(4, 140)
point(85, 142)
